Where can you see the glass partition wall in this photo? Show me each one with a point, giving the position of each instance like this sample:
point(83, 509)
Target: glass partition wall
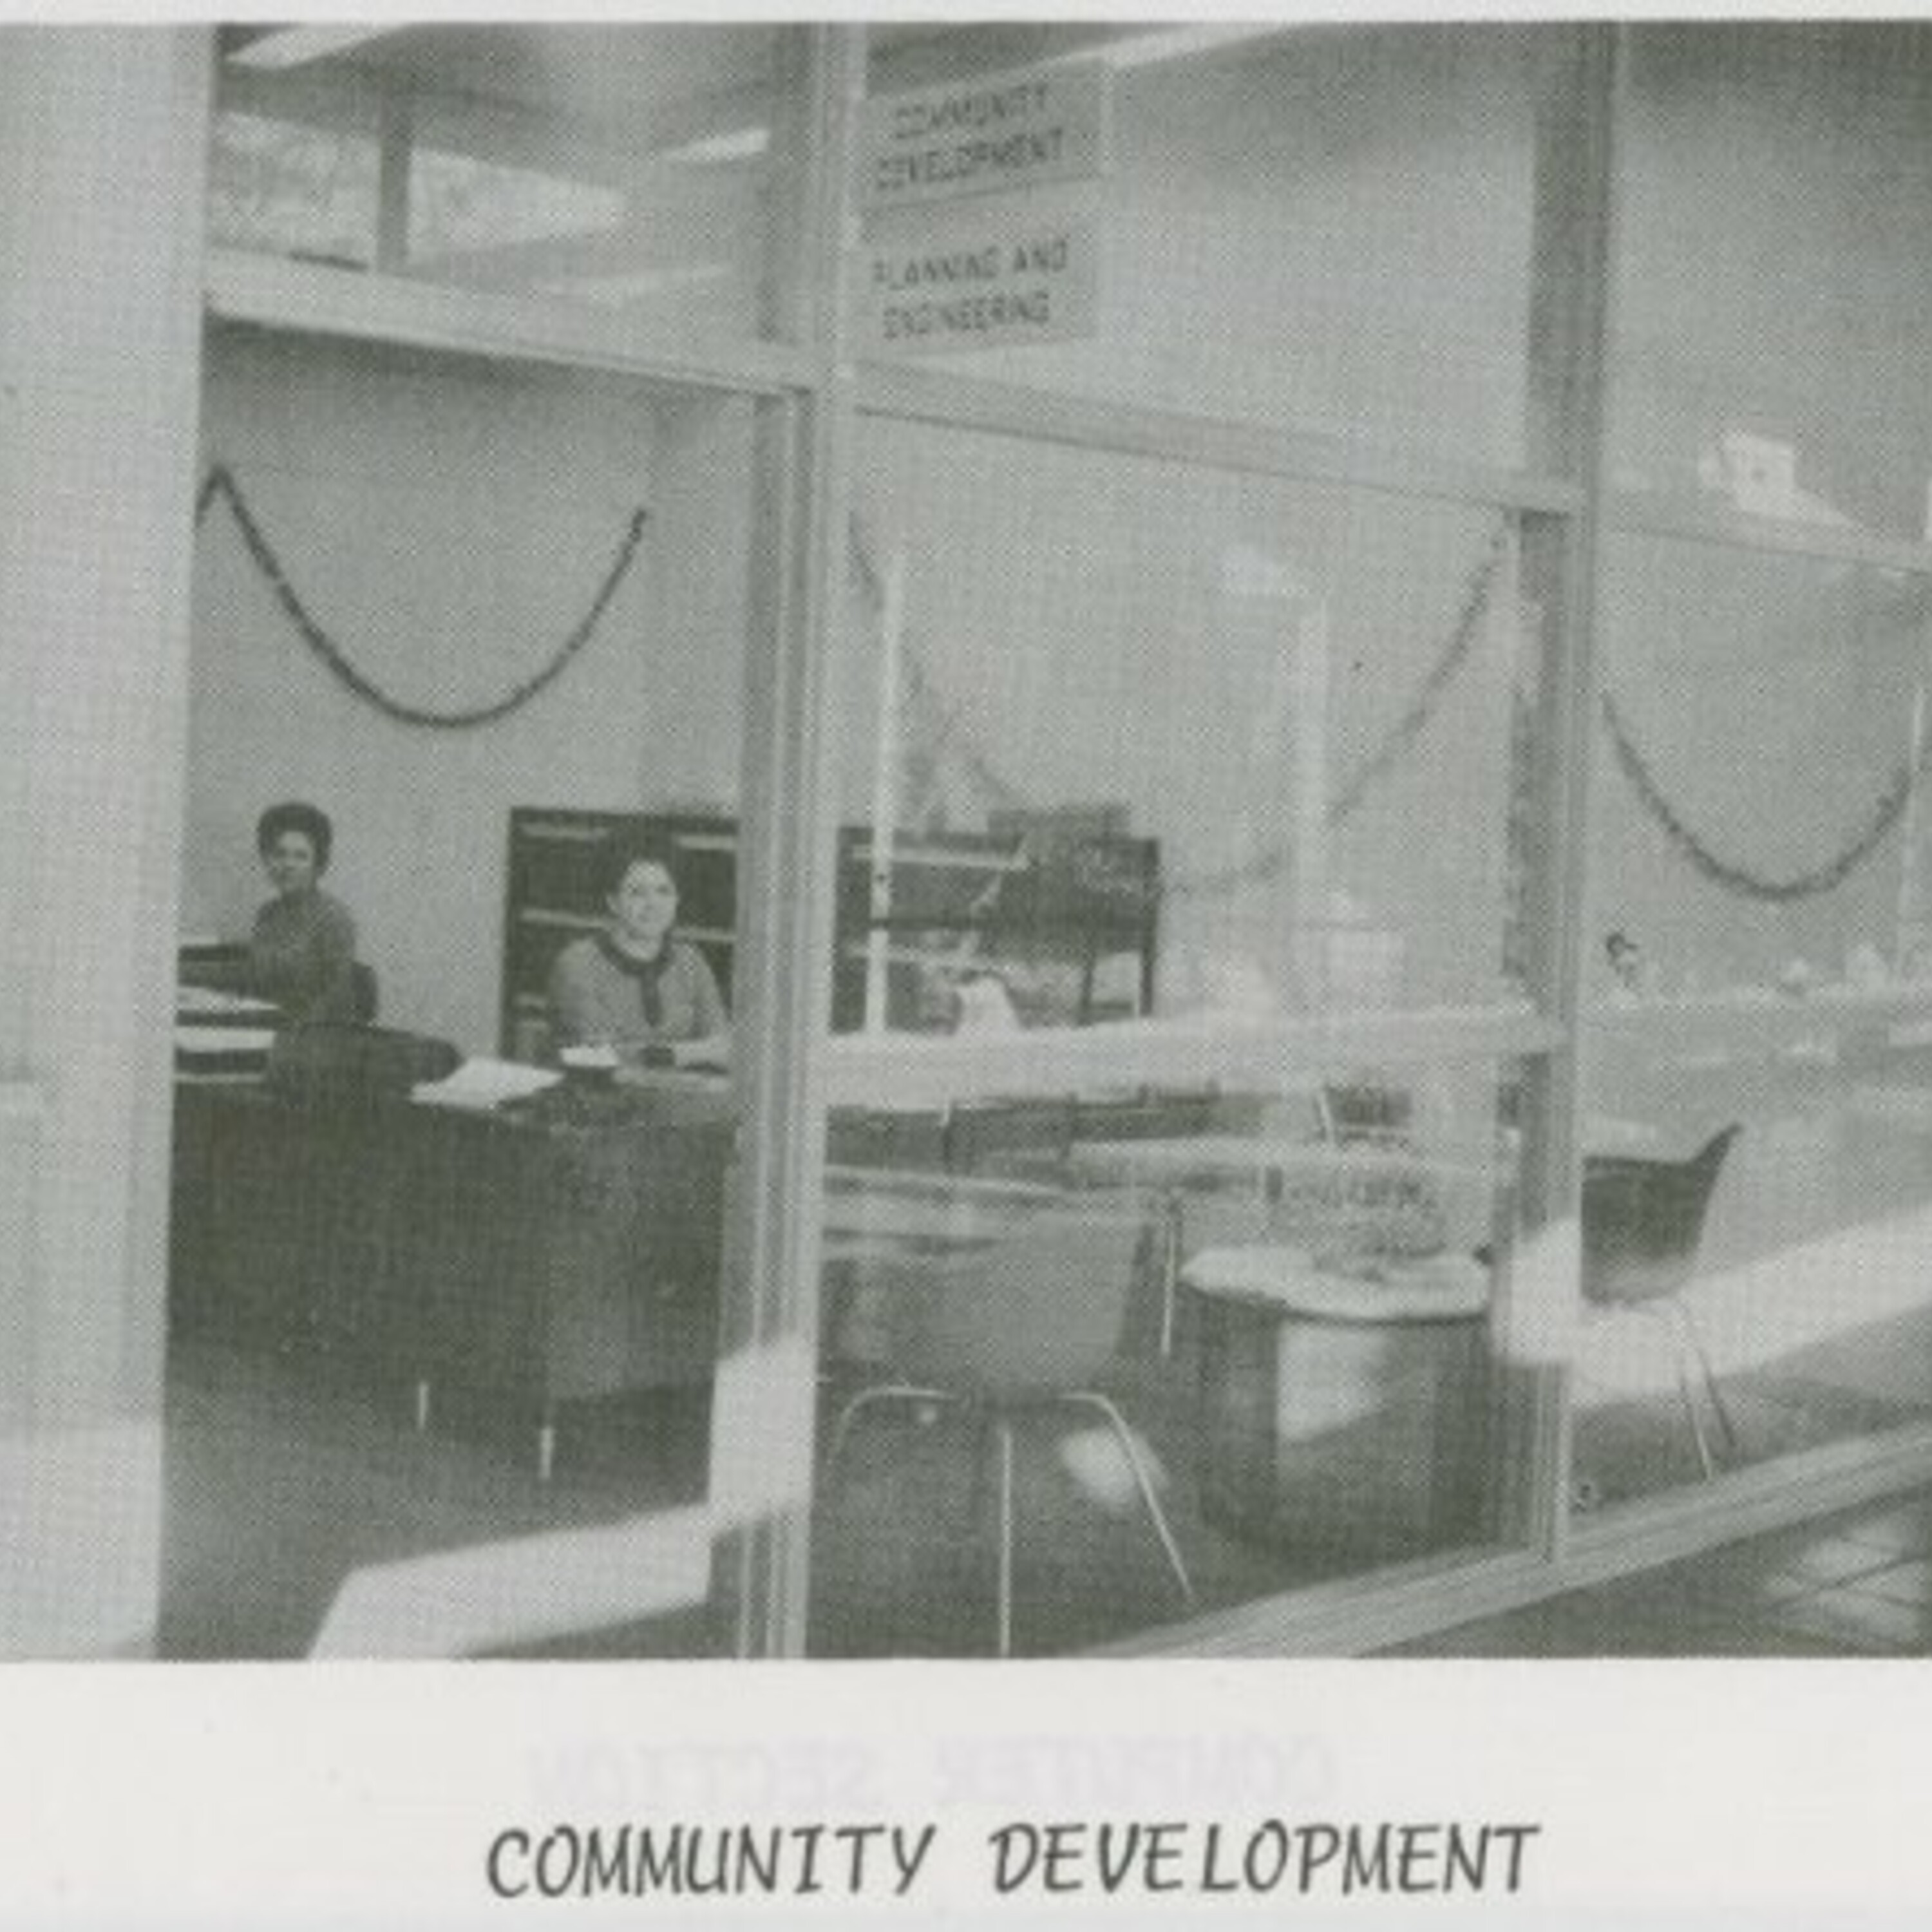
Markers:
point(1168, 1224)
point(1756, 851)
point(1175, 1152)
point(1321, 706)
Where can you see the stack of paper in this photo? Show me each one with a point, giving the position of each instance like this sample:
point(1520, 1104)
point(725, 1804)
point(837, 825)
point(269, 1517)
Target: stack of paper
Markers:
point(207, 1003)
point(478, 1085)
point(222, 1049)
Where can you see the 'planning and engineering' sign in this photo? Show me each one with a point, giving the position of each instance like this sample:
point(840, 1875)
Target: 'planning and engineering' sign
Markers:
point(993, 284)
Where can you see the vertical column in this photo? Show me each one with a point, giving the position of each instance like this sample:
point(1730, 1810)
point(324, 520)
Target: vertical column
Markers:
point(103, 140)
point(1571, 270)
point(764, 1410)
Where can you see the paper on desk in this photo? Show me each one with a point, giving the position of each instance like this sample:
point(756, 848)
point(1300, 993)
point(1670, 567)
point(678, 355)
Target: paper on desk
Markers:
point(480, 1084)
point(237, 1042)
point(207, 1002)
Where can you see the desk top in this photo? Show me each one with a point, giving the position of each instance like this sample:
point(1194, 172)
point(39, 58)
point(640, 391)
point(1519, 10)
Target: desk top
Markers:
point(645, 1105)
point(1438, 1288)
point(236, 1041)
point(1205, 1159)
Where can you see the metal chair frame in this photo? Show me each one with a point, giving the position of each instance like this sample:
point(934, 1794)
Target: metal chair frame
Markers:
point(999, 1414)
point(1700, 1171)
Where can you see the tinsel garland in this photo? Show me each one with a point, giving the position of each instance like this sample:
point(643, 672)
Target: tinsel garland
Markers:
point(1433, 689)
point(220, 483)
point(944, 731)
point(1727, 874)
point(1396, 741)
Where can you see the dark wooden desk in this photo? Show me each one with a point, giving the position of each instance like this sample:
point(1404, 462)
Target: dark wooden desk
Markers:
point(542, 1260)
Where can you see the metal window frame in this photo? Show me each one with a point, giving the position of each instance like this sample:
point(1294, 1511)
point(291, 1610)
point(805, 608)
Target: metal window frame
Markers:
point(811, 398)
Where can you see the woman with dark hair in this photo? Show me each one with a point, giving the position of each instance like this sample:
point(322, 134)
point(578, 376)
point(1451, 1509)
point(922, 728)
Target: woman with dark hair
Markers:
point(301, 954)
point(635, 987)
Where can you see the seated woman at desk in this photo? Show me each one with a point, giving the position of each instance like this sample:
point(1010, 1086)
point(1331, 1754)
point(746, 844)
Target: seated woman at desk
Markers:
point(636, 987)
point(301, 954)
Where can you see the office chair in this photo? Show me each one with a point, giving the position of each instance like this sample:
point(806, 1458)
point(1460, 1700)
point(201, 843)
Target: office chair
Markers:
point(1643, 1222)
point(1011, 1333)
point(363, 996)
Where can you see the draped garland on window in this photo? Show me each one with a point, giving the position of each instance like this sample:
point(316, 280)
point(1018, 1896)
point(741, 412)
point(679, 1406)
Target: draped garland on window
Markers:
point(220, 484)
point(939, 733)
point(1742, 881)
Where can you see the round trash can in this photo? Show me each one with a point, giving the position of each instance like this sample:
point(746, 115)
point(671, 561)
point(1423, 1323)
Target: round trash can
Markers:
point(1341, 1417)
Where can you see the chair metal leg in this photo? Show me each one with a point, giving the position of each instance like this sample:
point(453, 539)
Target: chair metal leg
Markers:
point(1172, 1235)
point(1689, 1396)
point(865, 1399)
point(1143, 1480)
point(1688, 1328)
point(1686, 1394)
point(1003, 1431)
point(422, 1405)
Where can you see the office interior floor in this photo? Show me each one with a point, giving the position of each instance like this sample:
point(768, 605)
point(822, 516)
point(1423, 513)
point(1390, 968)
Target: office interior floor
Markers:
point(300, 1497)
point(305, 1512)
point(1857, 1584)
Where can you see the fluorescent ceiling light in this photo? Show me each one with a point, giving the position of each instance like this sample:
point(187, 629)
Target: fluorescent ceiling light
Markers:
point(281, 48)
point(737, 144)
point(1171, 44)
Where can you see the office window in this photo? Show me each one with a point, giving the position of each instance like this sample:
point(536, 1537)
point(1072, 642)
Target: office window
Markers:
point(641, 171)
point(1774, 286)
point(1760, 880)
point(1276, 682)
point(1259, 1202)
point(1757, 851)
point(415, 1338)
point(1328, 229)
point(281, 187)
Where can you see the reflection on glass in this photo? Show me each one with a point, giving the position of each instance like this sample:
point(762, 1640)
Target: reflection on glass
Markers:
point(636, 168)
point(307, 192)
point(487, 1309)
point(1774, 301)
point(1290, 792)
point(1150, 758)
point(1271, 203)
point(1759, 843)
point(1093, 1364)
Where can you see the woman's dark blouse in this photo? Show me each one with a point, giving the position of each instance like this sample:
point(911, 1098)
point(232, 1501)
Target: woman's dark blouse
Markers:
point(600, 996)
point(302, 956)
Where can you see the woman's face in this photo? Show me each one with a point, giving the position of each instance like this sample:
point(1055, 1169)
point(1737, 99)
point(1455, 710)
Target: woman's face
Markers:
point(290, 863)
point(644, 905)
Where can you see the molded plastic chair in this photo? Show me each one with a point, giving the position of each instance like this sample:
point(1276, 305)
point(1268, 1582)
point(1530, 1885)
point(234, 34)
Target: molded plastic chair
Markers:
point(1023, 1327)
point(1643, 1220)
